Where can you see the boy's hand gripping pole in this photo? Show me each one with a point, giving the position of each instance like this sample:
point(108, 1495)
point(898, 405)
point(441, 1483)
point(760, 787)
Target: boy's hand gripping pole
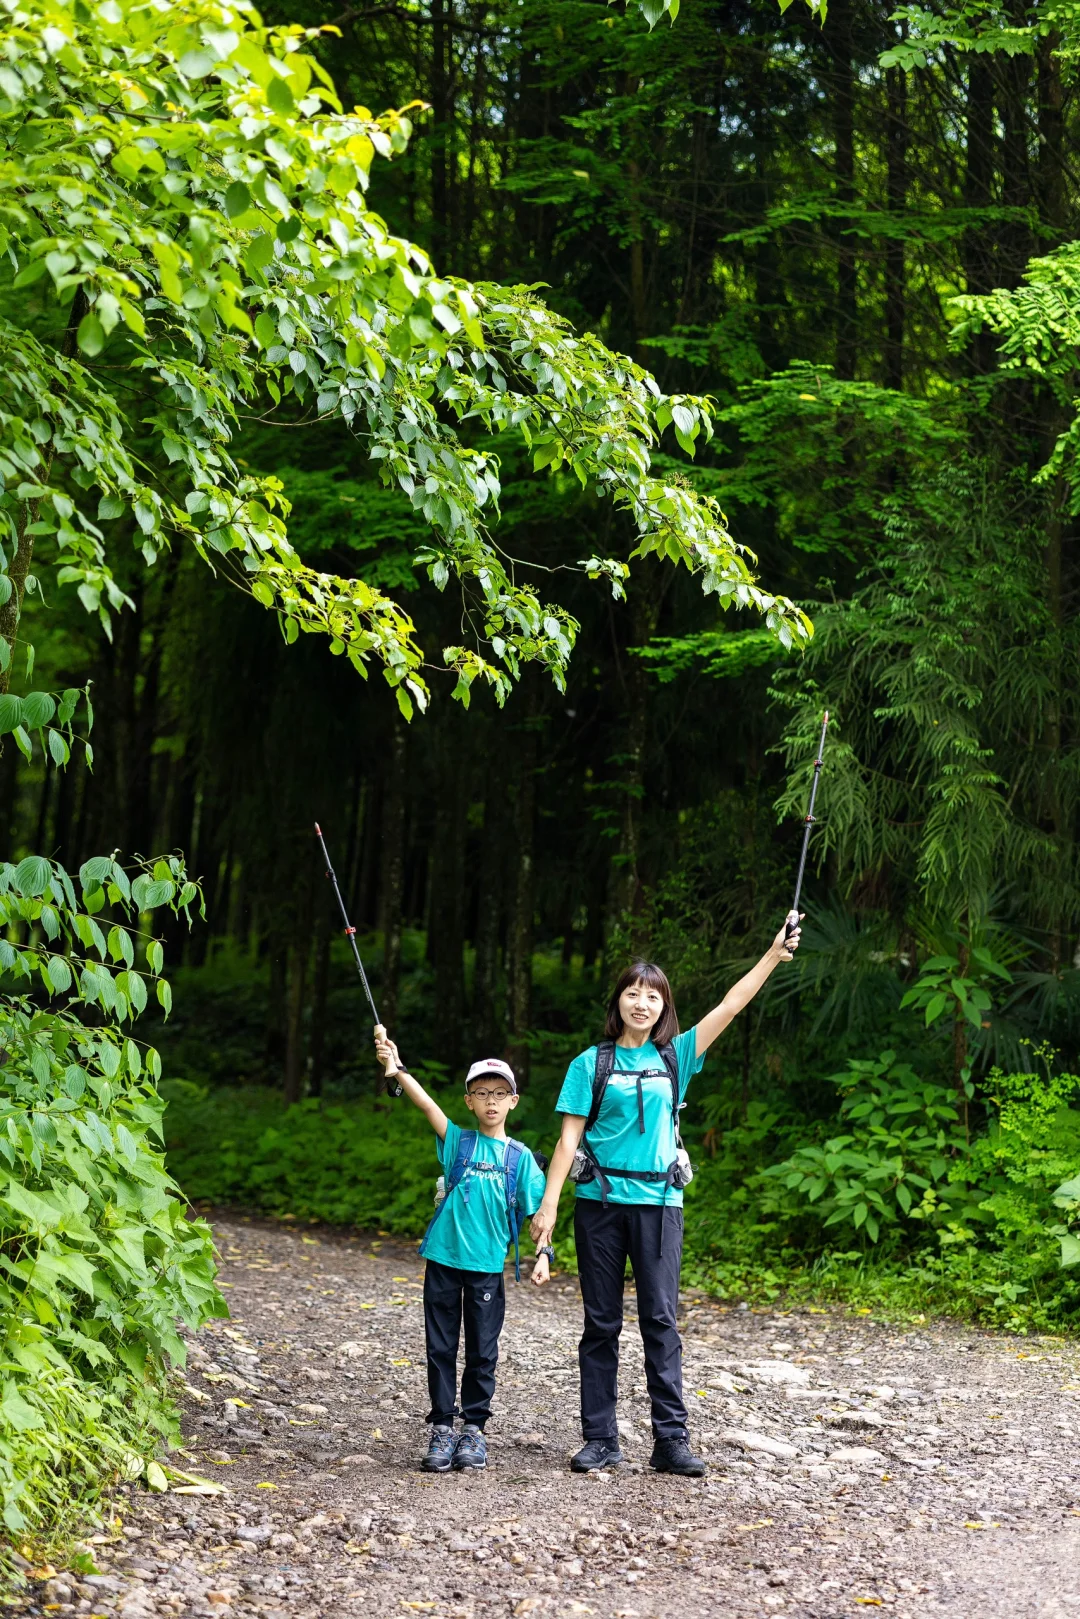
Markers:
point(350, 934)
point(792, 921)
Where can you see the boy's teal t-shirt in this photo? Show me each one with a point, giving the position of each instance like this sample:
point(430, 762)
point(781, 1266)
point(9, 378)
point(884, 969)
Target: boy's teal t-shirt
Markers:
point(617, 1138)
point(473, 1232)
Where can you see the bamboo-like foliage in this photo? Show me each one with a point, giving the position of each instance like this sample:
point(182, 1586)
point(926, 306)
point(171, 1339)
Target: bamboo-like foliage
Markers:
point(953, 766)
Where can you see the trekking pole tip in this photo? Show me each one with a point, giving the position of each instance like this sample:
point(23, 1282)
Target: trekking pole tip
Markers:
point(826, 716)
point(318, 828)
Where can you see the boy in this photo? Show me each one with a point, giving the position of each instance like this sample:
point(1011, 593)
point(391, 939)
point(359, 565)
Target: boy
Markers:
point(465, 1248)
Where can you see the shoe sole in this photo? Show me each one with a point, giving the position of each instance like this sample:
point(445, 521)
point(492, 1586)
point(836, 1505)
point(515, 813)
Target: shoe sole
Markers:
point(680, 1472)
point(609, 1461)
point(468, 1467)
point(433, 1467)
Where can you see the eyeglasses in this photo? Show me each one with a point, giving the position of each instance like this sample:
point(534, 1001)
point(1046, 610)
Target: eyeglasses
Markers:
point(491, 1096)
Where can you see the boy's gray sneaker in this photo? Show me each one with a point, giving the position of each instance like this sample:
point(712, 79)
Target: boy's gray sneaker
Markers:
point(440, 1452)
point(596, 1453)
point(471, 1449)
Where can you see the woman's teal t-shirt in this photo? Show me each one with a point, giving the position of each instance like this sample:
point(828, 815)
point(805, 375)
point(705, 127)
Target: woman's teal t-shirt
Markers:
point(617, 1138)
point(473, 1232)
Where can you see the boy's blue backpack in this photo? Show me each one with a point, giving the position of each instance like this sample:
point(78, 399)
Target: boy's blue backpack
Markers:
point(510, 1169)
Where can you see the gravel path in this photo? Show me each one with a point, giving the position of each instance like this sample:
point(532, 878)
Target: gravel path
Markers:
point(853, 1466)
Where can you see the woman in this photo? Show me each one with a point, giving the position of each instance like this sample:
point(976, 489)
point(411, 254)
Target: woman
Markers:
point(620, 1103)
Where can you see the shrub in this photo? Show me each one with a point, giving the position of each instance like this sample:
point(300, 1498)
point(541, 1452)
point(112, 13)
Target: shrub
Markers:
point(900, 1156)
point(98, 1260)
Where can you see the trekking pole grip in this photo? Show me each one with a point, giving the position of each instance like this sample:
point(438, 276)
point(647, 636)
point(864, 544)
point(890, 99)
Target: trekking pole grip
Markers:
point(389, 1070)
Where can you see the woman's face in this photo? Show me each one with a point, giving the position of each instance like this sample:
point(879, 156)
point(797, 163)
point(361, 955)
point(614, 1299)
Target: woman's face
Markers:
point(640, 1007)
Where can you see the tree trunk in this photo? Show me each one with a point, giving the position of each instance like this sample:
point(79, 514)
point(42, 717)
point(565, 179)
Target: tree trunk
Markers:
point(319, 991)
point(442, 133)
point(393, 872)
point(275, 1008)
point(1014, 75)
point(896, 186)
point(645, 598)
point(978, 246)
point(446, 925)
point(487, 1024)
point(839, 38)
point(1053, 144)
point(296, 978)
point(523, 882)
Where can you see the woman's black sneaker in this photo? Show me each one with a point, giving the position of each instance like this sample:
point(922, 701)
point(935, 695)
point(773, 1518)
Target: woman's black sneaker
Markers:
point(471, 1450)
point(440, 1452)
point(675, 1456)
point(596, 1453)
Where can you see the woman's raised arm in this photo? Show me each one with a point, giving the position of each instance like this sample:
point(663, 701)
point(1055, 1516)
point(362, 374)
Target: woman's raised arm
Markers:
point(741, 994)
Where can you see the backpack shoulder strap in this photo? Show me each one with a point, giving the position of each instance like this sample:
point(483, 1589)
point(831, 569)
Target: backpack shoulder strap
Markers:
point(462, 1159)
point(671, 1063)
point(512, 1162)
point(605, 1066)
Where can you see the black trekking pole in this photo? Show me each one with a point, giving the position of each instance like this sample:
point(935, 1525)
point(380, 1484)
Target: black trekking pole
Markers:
point(350, 934)
point(793, 915)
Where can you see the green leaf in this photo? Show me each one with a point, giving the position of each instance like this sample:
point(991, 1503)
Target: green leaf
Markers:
point(237, 199)
point(164, 995)
point(59, 974)
point(10, 712)
point(33, 875)
point(74, 1082)
point(1070, 1250)
point(260, 251)
point(92, 873)
point(197, 64)
point(91, 334)
point(17, 1413)
point(280, 97)
point(38, 709)
point(934, 1008)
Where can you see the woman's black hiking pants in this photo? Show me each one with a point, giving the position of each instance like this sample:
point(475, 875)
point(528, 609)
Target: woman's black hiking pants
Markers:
point(606, 1238)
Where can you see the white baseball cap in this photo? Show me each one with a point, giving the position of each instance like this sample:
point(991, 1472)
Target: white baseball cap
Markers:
point(491, 1065)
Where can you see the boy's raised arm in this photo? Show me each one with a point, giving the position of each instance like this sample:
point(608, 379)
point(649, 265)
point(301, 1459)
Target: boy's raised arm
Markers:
point(387, 1053)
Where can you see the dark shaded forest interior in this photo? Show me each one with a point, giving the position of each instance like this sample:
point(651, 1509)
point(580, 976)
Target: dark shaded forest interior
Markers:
point(791, 218)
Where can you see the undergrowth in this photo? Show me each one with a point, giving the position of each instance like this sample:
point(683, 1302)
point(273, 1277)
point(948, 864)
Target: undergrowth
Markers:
point(983, 1243)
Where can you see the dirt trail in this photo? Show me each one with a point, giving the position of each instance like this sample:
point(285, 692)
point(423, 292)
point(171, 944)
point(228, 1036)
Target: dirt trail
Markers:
point(854, 1466)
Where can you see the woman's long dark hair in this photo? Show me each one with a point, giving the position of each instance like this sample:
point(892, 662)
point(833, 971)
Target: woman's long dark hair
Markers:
point(653, 977)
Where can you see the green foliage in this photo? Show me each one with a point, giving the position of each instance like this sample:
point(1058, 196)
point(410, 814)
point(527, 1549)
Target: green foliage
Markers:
point(893, 1163)
point(97, 1257)
point(205, 234)
point(948, 679)
point(945, 982)
point(366, 1163)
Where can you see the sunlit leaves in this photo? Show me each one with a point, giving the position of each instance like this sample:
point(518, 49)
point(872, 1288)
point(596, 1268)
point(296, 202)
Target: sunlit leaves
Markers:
point(229, 249)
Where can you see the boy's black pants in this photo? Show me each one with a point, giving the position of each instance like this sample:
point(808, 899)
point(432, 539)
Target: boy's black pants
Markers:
point(479, 1298)
point(606, 1238)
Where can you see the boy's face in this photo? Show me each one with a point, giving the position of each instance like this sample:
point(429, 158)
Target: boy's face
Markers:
point(491, 1099)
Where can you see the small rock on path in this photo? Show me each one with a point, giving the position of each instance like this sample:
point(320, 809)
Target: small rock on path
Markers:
point(308, 1408)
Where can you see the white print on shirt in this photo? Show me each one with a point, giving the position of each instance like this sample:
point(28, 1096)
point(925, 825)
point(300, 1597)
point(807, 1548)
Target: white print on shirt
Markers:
point(483, 1169)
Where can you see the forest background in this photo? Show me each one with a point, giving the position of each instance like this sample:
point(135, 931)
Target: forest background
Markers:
point(849, 237)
